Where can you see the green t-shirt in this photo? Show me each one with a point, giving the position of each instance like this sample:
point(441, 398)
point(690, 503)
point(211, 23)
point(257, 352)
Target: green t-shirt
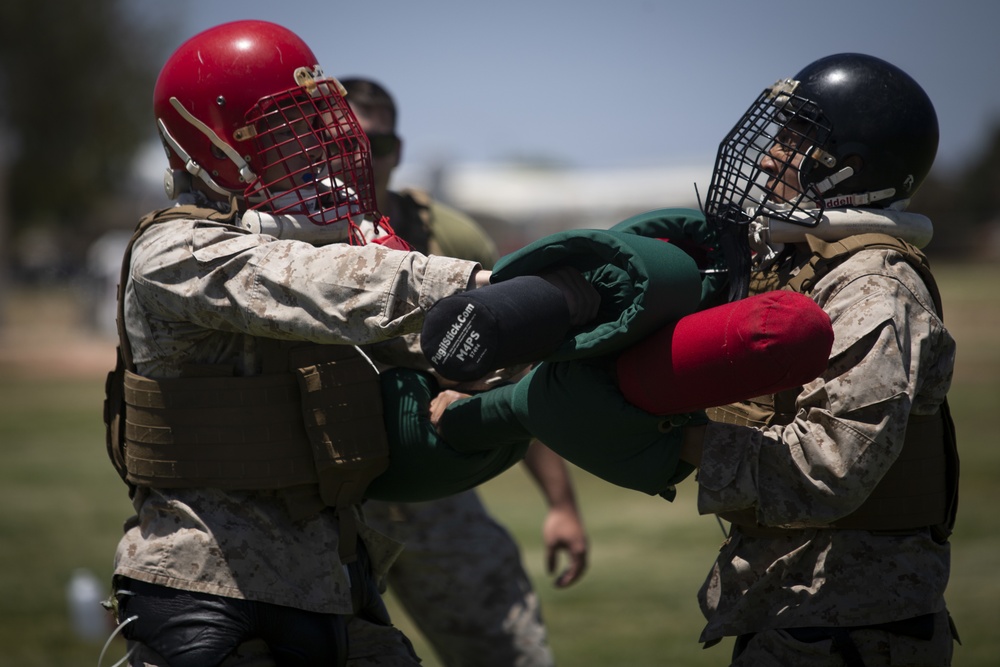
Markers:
point(435, 228)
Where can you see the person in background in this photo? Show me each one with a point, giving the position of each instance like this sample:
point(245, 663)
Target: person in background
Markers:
point(842, 493)
point(460, 576)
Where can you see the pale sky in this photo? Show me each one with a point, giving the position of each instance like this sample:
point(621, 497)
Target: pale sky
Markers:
point(623, 83)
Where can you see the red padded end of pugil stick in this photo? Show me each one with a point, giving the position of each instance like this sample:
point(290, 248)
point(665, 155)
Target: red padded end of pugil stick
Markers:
point(759, 345)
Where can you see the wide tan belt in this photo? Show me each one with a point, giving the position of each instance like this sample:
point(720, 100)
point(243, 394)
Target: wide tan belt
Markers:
point(221, 432)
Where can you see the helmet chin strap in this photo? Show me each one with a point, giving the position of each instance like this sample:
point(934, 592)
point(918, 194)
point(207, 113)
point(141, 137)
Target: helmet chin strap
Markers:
point(192, 167)
point(834, 179)
point(858, 199)
point(170, 182)
point(853, 200)
point(244, 168)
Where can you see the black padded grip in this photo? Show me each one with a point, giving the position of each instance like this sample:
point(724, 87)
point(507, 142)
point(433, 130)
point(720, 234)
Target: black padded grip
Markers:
point(521, 320)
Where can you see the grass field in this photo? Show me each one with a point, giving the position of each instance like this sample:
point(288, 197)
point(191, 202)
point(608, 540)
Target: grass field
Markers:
point(62, 505)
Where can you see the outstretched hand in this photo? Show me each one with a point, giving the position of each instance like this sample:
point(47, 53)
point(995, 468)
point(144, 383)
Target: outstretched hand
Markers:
point(563, 532)
point(441, 402)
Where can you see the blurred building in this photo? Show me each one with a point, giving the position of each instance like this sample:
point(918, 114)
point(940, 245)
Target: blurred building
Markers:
point(520, 203)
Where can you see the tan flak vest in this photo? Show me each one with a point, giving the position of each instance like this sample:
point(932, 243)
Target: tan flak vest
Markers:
point(310, 426)
point(920, 489)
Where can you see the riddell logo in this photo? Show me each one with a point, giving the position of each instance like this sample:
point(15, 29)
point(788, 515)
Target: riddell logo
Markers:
point(836, 202)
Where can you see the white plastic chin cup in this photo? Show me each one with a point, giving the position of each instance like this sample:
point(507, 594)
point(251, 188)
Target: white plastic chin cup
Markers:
point(838, 224)
point(521, 320)
point(298, 227)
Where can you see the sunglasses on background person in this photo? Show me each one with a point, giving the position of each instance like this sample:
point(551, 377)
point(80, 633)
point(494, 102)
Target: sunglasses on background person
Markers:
point(382, 144)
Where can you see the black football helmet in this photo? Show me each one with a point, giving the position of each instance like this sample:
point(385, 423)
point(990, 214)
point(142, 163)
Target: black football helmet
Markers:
point(849, 130)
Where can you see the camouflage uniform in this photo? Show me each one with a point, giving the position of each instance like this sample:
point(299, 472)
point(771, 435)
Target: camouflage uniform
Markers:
point(460, 576)
point(892, 357)
point(204, 293)
point(461, 581)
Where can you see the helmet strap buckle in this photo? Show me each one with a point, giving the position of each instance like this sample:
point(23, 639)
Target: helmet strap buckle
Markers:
point(834, 179)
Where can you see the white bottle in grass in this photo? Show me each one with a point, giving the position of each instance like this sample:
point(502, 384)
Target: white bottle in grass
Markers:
point(84, 594)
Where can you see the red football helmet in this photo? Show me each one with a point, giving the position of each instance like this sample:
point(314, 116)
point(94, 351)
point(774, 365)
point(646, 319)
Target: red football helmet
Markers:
point(245, 107)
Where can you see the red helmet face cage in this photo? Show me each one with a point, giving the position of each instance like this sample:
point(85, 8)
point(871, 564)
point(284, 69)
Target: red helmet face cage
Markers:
point(310, 156)
point(244, 108)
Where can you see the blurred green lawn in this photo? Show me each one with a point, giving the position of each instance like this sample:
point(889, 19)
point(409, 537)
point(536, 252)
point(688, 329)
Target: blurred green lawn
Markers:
point(62, 505)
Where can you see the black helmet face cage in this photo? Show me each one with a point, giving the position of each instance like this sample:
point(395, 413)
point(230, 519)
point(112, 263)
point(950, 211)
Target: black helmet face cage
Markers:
point(312, 158)
point(763, 165)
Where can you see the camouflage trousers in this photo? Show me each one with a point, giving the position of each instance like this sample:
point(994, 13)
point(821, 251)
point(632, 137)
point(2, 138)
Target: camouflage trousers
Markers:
point(461, 581)
point(868, 647)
